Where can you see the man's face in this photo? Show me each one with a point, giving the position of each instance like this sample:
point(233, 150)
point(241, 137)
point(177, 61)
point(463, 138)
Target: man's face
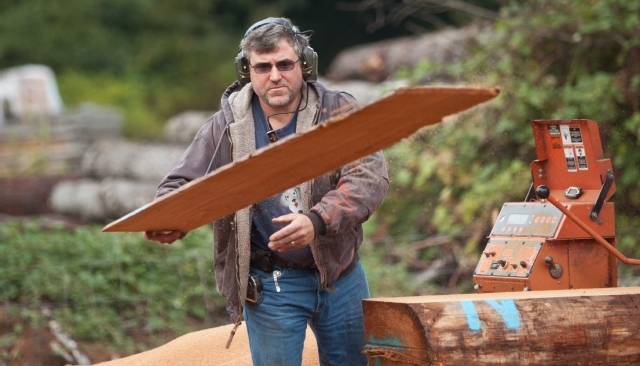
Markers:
point(278, 89)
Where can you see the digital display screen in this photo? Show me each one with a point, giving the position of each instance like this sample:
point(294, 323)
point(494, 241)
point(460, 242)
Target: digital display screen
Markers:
point(517, 219)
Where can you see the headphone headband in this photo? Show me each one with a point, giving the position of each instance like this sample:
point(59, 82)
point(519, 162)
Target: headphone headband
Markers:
point(270, 20)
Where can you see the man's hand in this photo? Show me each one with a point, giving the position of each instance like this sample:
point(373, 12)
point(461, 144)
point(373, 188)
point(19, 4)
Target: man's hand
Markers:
point(297, 234)
point(164, 237)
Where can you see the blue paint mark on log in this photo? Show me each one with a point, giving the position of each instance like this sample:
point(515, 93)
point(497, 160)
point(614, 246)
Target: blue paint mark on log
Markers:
point(472, 315)
point(506, 308)
point(385, 341)
point(391, 342)
point(508, 311)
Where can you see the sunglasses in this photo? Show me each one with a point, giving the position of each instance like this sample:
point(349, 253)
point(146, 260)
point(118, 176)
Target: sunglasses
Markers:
point(265, 67)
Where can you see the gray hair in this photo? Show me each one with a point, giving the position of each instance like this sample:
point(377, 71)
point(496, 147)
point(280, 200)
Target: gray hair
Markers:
point(267, 37)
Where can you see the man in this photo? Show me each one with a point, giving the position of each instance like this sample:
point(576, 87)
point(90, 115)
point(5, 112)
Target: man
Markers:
point(302, 244)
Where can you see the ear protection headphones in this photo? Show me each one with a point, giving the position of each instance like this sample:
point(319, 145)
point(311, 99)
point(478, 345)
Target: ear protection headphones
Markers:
point(308, 58)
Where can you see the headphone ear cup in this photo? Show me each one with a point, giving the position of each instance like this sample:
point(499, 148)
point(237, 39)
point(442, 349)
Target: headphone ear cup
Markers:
point(309, 65)
point(242, 68)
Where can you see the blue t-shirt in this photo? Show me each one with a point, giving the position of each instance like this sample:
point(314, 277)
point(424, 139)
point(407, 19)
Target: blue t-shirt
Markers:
point(280, 204)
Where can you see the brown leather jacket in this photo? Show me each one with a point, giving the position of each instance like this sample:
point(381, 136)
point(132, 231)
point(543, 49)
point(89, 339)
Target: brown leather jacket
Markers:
point(345, 197)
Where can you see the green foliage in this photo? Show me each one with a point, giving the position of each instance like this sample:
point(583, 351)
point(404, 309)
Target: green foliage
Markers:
point(552, 60)
point(128, 94)
point(105, 287)
point(385, 277)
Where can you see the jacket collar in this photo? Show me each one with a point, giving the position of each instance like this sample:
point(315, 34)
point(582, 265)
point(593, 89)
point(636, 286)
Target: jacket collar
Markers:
point(237, 108)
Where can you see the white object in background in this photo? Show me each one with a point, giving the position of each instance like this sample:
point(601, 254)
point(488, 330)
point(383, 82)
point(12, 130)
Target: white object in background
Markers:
point(29, 90)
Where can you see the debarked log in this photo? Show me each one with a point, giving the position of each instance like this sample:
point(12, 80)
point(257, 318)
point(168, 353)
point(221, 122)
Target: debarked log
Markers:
point(577, 327)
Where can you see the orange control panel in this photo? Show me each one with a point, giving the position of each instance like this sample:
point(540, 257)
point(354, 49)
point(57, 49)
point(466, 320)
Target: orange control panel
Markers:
point(511, 257)
point(533, 245)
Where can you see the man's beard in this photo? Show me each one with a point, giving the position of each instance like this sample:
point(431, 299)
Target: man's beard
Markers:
point(283, 98)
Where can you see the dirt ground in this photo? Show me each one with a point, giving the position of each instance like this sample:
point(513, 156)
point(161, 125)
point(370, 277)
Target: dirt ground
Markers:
point(33, 346)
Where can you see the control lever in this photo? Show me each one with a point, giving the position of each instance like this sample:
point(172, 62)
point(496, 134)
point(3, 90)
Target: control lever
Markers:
point(608, 180)
point(544, 193)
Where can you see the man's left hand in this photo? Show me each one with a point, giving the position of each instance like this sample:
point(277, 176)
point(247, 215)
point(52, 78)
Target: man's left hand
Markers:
point(297, 234)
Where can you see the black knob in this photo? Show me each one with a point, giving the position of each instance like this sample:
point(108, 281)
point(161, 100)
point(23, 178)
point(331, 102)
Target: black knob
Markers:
point(555, 270)
point(543, 192)
point(487, 254)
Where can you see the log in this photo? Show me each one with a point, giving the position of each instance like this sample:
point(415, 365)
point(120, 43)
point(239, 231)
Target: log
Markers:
point(120, 196)
point(378, 61)
point(28, 195)
point(98, 200)
point(181, 128)
point(365, 92)
point(111, 158)
point(586, 326)
point(79, 198)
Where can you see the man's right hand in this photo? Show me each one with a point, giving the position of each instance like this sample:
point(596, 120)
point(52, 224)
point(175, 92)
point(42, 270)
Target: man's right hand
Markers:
point(164, 237)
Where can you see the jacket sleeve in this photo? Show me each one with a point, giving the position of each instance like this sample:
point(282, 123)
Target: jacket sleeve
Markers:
point(360, 189)
point(196, 159)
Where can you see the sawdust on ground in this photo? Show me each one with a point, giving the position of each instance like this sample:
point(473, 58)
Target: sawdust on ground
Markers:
point(206, 348)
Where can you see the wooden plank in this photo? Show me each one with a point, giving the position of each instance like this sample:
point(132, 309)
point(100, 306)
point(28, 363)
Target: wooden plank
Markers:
point(587, 326)
point(302, 157)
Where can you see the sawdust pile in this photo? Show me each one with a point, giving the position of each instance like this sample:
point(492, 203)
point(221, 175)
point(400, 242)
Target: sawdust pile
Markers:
point(206, 348)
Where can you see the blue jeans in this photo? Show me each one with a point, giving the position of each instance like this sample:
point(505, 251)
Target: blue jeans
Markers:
point(294, 299)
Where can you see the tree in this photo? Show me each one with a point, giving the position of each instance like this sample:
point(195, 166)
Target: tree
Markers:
point(420, 16)
point(153, 58)
point(553, 60)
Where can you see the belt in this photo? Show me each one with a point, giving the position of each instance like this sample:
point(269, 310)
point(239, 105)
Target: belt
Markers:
point(282, 262)
point(264, 260)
